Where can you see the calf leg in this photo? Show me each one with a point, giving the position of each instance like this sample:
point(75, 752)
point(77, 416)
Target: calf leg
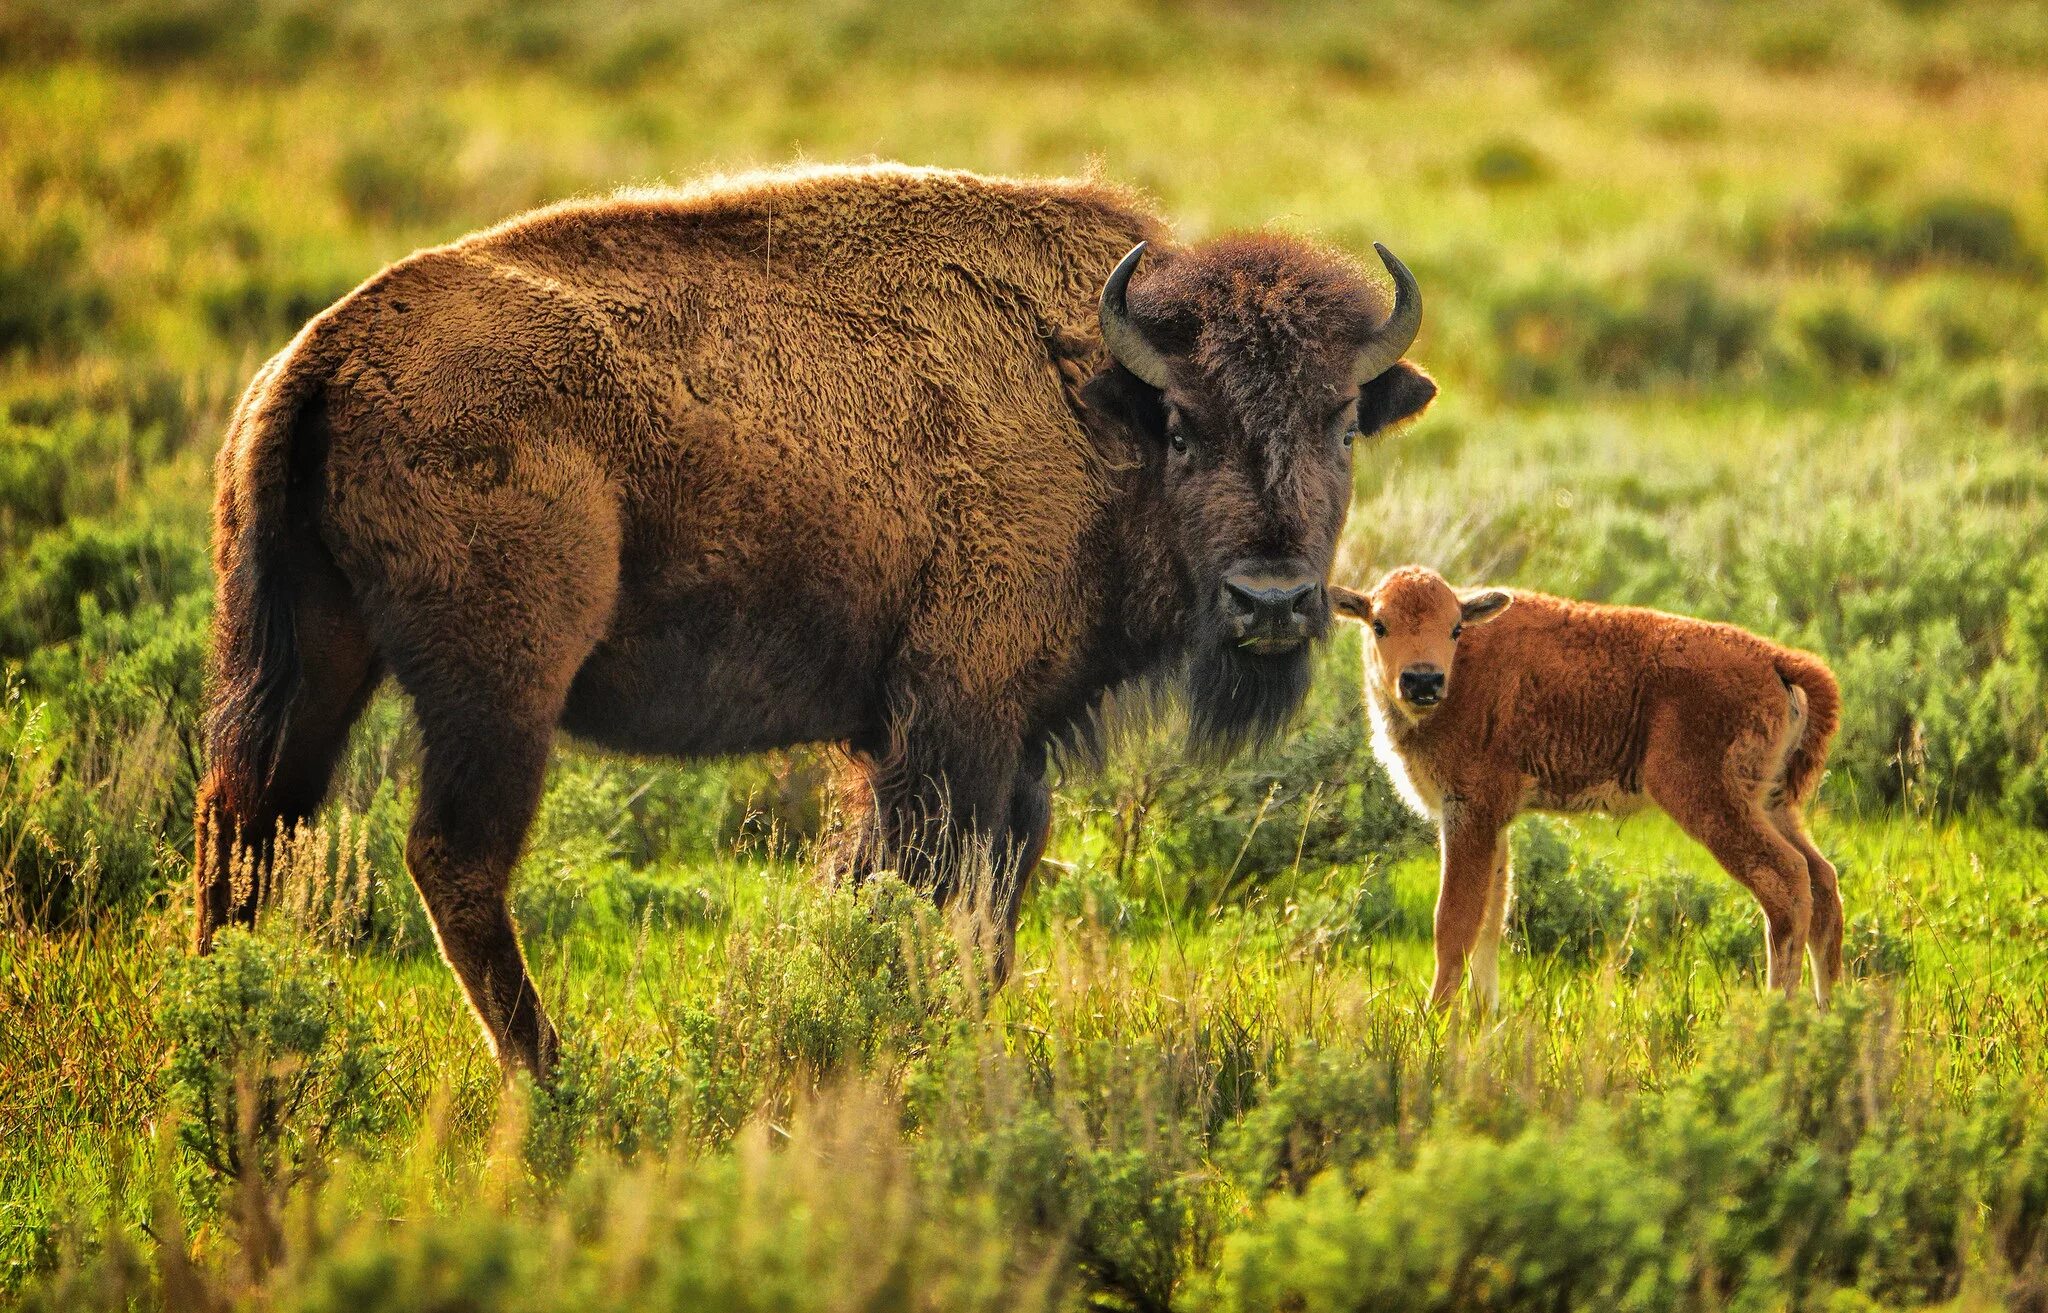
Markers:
point(1472, 840)
point(1824, 934)
point(1734, 828)
point(1486, 953)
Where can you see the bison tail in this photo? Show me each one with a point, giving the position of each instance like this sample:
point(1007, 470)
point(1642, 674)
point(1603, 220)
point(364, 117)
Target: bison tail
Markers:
point(1813, 684)
point(256, 665)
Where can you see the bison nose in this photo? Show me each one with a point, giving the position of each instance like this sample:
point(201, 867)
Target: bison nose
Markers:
point(1269, 604)
point(1423, 687)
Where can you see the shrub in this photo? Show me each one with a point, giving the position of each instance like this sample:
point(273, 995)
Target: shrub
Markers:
point(49, 299)
point(1543, 1221)
point(73, 466)
point(89, 566)
point(1970, 231)
point(270, 1063)
point(1840, 341)
point(1507, 162)
point(851, 975)
point(1682, 328)
point(1870, 947)
point(401, 182)
point(267, 307)
point(1330, 1109)
point(1089, 895)
point(1564, 904)
point(1352, 907)
point(1222, 836)
point(157, 34)
point(1088, 1158)
point(1959, 231)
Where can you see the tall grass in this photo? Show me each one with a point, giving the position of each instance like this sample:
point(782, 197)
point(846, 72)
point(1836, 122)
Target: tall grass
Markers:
point(1736, 310)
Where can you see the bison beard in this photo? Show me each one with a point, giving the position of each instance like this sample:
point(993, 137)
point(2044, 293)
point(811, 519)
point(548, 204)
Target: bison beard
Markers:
point(1238, 699)
point(606, 469)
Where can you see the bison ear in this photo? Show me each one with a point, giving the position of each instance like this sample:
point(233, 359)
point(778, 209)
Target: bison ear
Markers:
point(1482, 607)
point(1345, 602)
point(1116, 402)
point(1395, 397)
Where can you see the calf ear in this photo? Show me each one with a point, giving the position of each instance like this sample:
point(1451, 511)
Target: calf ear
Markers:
point(1395, 397)
point(1355, 606)
point(1482, 607)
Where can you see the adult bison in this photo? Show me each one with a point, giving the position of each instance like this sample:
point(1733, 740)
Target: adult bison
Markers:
point(827, 455)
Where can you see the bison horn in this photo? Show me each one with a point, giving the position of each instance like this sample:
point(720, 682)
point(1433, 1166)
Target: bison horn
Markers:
point(1126, 342)
point(1391, 340)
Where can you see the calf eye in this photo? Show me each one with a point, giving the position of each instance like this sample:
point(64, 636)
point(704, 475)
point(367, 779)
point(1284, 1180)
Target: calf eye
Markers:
point(1379, 629)
point(1455, 631)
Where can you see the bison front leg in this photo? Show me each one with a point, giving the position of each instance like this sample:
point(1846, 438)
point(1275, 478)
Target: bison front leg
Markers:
point(1017, 856)
point(1467, 904)
point(930, 813)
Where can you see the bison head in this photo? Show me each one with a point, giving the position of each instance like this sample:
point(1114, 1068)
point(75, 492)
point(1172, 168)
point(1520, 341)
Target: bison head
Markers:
point(1246, 368)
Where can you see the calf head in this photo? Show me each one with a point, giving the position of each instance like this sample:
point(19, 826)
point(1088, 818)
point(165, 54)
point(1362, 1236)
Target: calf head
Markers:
point(1245, 369)
point(1413, 621)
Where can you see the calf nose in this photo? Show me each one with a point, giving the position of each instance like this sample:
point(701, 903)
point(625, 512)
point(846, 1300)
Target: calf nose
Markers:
point(1269, 603)
point(1424, 688)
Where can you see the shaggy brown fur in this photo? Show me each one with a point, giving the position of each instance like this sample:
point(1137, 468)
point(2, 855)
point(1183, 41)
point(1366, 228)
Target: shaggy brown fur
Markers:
point(1569, 706)
point(828, 455)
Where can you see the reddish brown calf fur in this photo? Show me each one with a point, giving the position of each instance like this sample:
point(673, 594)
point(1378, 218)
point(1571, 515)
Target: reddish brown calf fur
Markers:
point(1565, 706)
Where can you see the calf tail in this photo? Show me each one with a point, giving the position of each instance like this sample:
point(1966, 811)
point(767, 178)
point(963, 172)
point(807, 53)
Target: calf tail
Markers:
point(1811, 683)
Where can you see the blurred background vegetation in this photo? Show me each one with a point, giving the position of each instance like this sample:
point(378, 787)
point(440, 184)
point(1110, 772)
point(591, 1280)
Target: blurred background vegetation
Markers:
point(1738, 311)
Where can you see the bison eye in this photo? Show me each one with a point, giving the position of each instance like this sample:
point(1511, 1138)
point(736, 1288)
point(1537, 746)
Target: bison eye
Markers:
point(1379, 629)
point(1178, 439)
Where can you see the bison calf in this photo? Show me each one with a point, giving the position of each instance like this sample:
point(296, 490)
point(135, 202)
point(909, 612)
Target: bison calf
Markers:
point(1565, 706)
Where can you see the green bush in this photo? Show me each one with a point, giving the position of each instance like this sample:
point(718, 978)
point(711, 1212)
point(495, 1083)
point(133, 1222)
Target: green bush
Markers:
point(1784, 1167)
point(50, 301)
point(1508, 162)
point(1952, 231)
point(1327, 1111)
point(1219, 836)
point(268, 307)
point(1840, 341)
point(87, 566)
point(1086, 1157)
point(1679, 326)
point(1544, 1221)
point(402, 181)
point(1352, 907)
point(1564, 904)
point(853, 975)
point(272, 1066)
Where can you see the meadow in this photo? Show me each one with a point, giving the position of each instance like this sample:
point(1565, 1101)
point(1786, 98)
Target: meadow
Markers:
point(1737, 310)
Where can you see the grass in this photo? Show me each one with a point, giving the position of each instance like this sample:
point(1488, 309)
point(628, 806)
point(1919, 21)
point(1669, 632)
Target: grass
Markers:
point(1737, 312)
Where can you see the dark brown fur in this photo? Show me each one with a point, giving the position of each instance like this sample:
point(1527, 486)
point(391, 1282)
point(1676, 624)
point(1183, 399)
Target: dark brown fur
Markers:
point(1555, 705)
point(828, 455)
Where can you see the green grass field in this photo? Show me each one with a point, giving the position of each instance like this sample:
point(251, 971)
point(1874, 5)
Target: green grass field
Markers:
point(1737, 311)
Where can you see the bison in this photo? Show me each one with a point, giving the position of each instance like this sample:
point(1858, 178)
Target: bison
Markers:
point(872, 457)
point(1554, 705)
